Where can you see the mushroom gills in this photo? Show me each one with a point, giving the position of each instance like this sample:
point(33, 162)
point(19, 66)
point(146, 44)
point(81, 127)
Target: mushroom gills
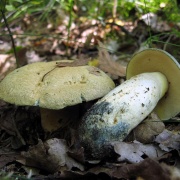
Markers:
point(122, 109)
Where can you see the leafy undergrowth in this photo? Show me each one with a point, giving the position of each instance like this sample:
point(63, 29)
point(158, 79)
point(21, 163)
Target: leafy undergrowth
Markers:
point(27, 152)
point(151, 150)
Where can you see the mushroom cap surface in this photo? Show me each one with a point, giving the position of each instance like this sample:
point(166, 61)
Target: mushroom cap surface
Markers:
point(156, 60)
point(46, 85)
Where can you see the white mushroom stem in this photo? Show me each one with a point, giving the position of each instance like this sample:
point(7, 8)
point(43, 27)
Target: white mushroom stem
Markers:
point(134, 99)
point(122, 109)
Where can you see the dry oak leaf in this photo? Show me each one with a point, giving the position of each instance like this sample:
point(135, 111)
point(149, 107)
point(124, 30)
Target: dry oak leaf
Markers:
point(168, 140)
point(146, 170)
point(146, 131)
point(134, 152)
point(107, 64)
point(50, 156)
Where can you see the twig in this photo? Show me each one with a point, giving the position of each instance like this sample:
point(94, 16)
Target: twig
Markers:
point(47, 73)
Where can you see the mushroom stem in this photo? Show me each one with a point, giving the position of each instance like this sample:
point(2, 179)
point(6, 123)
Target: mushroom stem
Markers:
point(122, 109)
point(52, 120)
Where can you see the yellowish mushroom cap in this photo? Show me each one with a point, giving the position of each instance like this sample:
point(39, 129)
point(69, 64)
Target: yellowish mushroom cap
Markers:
point(156, 60)
point(46, 85)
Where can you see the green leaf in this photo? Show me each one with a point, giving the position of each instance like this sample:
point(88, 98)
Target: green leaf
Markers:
point(10, 7)
point(20, 1)
point(35, 2)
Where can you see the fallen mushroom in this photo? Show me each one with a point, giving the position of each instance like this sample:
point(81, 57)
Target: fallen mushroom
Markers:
point(48, 86)
point(152, 84)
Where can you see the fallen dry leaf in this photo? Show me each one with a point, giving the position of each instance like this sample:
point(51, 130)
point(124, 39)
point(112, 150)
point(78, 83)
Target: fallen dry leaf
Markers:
point(7, 64)
point(8, 157)
point(59, 150)
point(20, 123)
point(147, 130)
point(168, 140)
point(173, 171)
point(134, 152)
point(50, 156)
point(146, 170)
point(108, 65)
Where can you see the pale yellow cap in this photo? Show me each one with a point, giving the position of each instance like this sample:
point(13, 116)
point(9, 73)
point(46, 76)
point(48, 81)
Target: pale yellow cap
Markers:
point(156, 60)
point(46, 85)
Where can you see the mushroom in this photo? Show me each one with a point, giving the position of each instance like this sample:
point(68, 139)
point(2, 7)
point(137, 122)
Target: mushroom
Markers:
point(152, 84)
point(48, 86)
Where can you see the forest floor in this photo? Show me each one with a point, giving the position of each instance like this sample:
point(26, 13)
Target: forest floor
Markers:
point(29, 152)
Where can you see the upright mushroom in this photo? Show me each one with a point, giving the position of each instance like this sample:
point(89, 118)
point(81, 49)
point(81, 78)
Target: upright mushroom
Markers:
point(48, 86)
point(152, 84)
